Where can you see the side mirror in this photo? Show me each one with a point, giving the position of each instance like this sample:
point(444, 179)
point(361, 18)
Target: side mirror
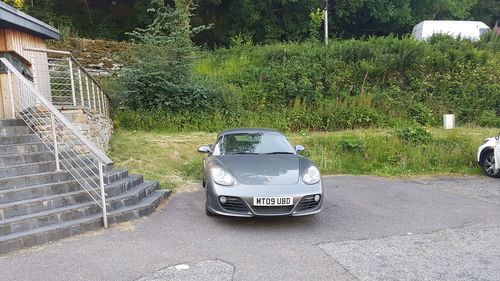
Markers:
point(299, 148)
point(205, 149)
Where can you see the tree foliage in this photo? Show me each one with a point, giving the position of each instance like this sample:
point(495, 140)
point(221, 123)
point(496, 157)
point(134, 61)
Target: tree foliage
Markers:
point(159, 75)
point(18, 4)
point(287, 20)
point(258, 21)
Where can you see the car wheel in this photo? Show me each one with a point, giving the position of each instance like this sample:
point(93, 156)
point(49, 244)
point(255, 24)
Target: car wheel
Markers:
point(489, 165)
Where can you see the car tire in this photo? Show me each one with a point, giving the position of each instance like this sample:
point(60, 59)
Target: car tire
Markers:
point(489, 165)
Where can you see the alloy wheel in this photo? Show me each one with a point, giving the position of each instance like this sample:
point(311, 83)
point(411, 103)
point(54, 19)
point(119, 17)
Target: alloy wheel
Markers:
point(489, 165)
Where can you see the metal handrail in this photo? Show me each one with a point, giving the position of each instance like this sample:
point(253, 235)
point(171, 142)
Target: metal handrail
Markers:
point(81, 87)
point(72, 150)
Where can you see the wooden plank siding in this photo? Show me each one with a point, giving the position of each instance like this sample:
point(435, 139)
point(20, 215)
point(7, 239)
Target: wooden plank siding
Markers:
point(15, 41)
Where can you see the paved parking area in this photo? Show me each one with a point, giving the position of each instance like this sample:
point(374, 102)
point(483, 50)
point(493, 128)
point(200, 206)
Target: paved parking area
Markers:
point(371, 229)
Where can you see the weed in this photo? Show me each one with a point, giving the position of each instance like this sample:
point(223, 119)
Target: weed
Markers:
point(414, 134)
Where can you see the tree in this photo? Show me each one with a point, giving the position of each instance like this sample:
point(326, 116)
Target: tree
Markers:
point(159, 76)
point(18, 4)
point(487, 11)
point(259, 20)
point(382, 17)
point(442, 9)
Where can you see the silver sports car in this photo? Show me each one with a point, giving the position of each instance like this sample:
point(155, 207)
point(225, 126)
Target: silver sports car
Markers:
point(257, 172)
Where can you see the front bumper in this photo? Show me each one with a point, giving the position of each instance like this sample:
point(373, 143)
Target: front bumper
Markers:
point(240, 200)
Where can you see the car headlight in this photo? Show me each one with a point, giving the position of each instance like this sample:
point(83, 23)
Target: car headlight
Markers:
point(312, 175)
point(221, 176)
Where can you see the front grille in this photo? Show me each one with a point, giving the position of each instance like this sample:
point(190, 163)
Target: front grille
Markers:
point(307, 203)
point(272, 209)
point(234, 204)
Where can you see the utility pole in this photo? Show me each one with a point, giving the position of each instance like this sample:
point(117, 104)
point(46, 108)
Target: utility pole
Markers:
point(325, 12)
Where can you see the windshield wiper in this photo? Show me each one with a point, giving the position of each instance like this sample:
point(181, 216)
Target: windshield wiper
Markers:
point(280, 152)
point(245, 153)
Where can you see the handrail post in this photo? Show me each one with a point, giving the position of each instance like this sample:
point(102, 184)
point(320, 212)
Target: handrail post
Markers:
point(56, 146)
point(98, 99)
point(102, 101)
point(11, 95)
point(103, 195)
point(93, 95)
point(70, 65)
point(81, 87)
point(33, 69)
point(88, 90)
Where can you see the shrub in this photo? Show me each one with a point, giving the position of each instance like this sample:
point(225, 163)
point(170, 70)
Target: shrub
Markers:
point(408, 79)
point(488, 118)
point(351, 144)
point(159, 73)
point(375, 82)
point(420, 113)
point(414, 134)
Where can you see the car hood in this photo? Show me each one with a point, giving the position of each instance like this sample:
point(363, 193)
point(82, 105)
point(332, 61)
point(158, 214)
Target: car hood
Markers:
point(262, 169)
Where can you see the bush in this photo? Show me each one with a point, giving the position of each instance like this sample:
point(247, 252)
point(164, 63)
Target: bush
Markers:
point(159, 73)
point(488, 118)
point(351, 144)
point(381, 77)
point(414, 134)
point(376, 82)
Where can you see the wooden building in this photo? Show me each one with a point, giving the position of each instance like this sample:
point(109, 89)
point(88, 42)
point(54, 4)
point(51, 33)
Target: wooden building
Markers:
point(19, 31)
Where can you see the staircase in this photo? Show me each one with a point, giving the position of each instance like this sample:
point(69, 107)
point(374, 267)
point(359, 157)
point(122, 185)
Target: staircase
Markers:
point(39, 205)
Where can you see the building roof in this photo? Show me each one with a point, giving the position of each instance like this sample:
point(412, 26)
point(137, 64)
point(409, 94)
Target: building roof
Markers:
point(15, 19)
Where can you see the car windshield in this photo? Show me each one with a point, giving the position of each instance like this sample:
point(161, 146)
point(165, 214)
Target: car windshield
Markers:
point(254, 143)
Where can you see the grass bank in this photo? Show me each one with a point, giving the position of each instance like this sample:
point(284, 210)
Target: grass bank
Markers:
point(377, 82)
point(173, 160)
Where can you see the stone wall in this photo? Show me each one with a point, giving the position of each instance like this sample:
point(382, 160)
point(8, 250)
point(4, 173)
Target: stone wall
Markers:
point(98, 128)
point(98, 57)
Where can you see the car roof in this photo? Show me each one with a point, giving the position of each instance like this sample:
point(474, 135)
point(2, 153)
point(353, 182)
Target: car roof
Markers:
point(247, 130)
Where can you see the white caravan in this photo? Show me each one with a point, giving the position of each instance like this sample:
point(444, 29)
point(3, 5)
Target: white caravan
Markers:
point(463, 29)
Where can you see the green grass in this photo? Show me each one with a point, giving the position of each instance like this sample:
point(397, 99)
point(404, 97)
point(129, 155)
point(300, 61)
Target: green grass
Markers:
point(173, 160)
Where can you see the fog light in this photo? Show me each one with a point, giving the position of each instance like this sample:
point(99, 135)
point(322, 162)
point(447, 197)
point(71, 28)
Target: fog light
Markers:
point(223, 199)
point(317, 197)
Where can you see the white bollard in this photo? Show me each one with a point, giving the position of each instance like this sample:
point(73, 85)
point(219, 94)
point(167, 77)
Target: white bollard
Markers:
point(449, 121)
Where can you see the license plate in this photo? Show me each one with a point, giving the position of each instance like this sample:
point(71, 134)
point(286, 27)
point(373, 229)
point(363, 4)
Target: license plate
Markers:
point(272, 201)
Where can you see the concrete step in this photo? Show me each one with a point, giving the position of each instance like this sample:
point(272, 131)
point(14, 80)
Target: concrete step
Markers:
point(34, 179)
point(15, 131)
point(25, 158)
point(7, 149)
point(132, 196)
point(12, 122)
point(26, 169)
point(40, 167)
point(58, 200)
point(49, 189)
point(78, 211)
point(19, 139)
point(54, 232)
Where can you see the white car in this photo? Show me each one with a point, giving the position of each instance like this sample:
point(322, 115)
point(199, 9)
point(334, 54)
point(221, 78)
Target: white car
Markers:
point(488, 156)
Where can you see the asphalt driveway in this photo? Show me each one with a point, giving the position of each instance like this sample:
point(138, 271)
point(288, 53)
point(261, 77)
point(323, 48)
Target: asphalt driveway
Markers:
point(371, 229)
